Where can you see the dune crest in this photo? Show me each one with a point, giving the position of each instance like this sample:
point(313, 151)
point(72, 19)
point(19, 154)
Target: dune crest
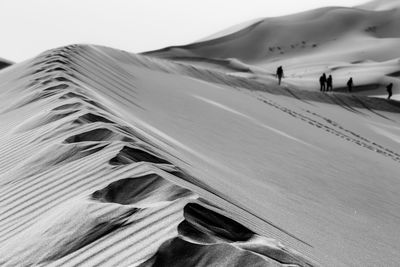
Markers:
point(83, 186)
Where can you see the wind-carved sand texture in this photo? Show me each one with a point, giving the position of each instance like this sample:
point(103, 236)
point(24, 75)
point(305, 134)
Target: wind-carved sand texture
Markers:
point(82, 187)
point(194, 156)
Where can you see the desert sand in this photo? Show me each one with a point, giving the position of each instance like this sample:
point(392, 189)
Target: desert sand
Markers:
point(361, 42)
point(194, 156)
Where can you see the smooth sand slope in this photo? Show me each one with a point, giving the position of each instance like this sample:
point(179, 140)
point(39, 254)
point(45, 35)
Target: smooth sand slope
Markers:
point(115, 159)
point(361, 42)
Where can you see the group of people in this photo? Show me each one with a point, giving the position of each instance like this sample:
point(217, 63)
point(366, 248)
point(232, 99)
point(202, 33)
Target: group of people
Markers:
point(326, 83)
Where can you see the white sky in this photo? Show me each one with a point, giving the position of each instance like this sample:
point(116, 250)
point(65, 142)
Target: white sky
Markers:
point(28, 27)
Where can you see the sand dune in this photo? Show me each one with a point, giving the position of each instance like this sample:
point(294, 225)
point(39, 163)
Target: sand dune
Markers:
point(310, 43)
point(194, 156)
point(82, 186)
point(380, 5)
point(104, 164)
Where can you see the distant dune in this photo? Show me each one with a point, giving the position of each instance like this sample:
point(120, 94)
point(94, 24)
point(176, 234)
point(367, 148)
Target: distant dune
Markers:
point(380, 5)
point(195, 156)
point(334, 40)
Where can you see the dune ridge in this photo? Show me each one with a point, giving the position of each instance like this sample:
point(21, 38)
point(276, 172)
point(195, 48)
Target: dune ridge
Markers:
point(117, 159)
point(81, 186)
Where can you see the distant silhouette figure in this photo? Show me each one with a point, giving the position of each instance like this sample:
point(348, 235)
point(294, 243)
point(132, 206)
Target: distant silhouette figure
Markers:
point(350, 84)
point(322, 82)
point(279, 74)
point(329, 83)
point(389, 90)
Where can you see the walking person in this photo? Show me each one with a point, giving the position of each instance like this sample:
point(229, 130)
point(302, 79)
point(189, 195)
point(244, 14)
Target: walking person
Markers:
point(389, 90)
point(322, 82)
point(329, 83)
point(350, 84)
point(279, 74)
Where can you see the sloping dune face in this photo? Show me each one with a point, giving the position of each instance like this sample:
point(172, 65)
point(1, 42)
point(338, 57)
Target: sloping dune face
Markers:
point(306, 33)
point(82, 186)
point(114, 159)
point(380, 5)
point(360, 42)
